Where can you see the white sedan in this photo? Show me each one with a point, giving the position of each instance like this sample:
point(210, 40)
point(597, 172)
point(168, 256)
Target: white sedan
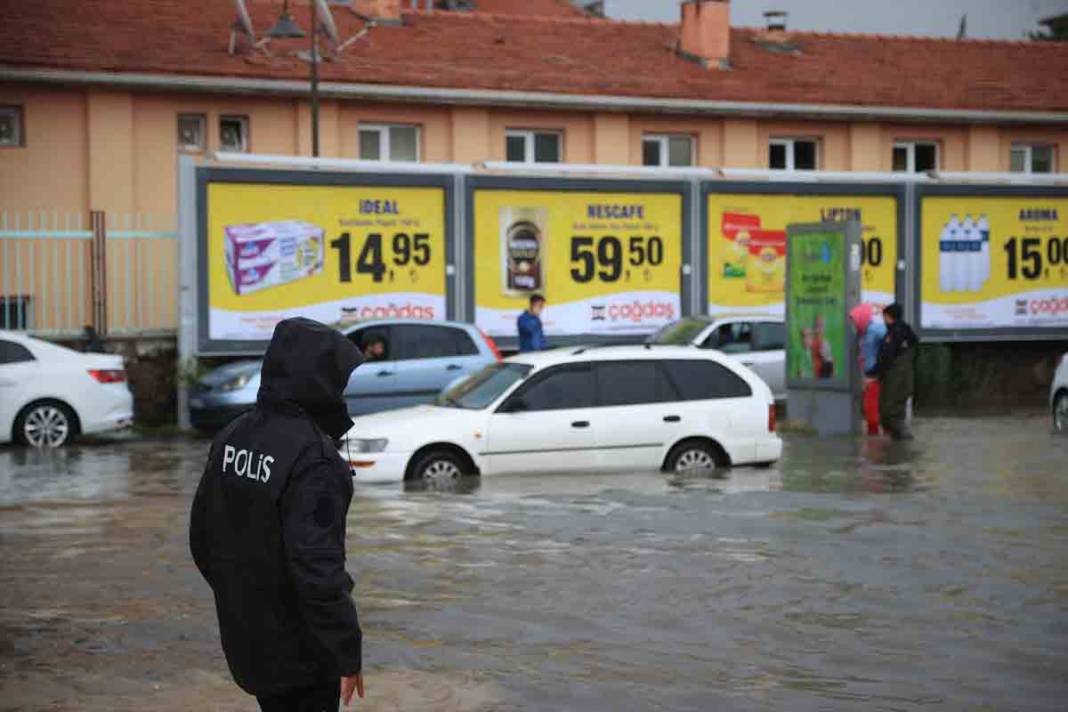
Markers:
point(577, 410)
point(49, 394)
point(1058, 396)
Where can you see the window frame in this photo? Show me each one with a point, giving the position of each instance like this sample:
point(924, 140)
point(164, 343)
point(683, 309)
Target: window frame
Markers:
point(910, 154)
point(385, 141)
point(528, 136)
point(202, 120)
point(789, 143)
point(246, 137)
point(18, 113)
point(1028, 147)
point(663, 141)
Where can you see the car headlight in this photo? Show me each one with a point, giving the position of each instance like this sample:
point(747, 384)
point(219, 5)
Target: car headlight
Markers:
point(368, 445)
point(236, 383)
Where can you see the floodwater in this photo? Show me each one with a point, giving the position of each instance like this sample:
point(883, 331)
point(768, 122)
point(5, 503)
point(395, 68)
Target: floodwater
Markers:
point(857, 574)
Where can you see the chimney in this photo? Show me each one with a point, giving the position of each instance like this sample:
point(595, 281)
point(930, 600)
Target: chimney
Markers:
point(706, 32)
point(384, 11)
point(775, 26)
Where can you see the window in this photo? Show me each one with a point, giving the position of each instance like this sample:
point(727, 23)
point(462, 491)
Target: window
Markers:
point(679, 333)
point(533, 146)
point(734, 337)
point(389, 142)
point(11, 352)
point(769, 336)
point(191, 132)
point(11, 126)
point(705, 380)
point(793, 154)
point(233, 133)
point(484, 387)
point(632, 383)
point(1032, 158)
point(560, 388)
point(16, 311)
point(416, 341)
point(915, 156)
point(667, 150)
point(362, 337)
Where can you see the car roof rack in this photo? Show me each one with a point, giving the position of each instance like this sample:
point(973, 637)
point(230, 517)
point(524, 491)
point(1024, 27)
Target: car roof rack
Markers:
point(610, 344)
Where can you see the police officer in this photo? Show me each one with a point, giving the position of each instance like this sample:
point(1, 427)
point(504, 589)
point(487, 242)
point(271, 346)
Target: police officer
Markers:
point(268, 528)
point(895, 367)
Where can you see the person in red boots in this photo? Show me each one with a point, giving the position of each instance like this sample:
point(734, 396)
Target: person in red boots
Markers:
point(867, 320)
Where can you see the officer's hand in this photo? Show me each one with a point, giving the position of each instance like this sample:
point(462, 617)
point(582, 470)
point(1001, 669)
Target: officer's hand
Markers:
point(350, 683)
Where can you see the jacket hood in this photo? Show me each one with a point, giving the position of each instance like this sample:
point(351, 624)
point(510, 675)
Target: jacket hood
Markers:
point(308, 365)
point(862, 315)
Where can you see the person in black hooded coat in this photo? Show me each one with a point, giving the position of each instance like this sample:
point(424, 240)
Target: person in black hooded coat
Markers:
point(267, 529)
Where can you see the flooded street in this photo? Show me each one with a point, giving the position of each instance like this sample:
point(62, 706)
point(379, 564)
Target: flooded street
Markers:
point(857, 574)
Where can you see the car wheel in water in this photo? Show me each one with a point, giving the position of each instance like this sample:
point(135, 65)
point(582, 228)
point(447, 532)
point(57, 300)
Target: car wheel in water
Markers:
point(1060, 413)
point(45, 424)
point(438, 466)
point(693, 456)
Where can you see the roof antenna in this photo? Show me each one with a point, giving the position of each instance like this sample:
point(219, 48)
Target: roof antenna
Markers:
point(243, 26)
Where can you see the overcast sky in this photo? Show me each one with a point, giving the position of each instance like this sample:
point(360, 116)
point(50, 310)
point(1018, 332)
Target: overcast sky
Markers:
point(1005, 19)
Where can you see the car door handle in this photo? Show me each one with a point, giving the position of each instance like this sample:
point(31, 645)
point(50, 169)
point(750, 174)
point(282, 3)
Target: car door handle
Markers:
point(580, 424)
point(383, 374)
point(748, 363)
point(672, 419)
point(453, 367)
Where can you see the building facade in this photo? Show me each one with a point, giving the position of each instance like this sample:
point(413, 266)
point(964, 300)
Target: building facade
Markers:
point(97, 100)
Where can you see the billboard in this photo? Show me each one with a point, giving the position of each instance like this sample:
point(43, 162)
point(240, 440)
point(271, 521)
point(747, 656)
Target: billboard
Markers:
point(993, 259)
point(745, 229)
point(606, 255)
point(337, 248)
point(817, 342)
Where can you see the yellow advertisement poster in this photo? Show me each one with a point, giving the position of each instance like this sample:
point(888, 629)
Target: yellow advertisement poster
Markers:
point(747, 245)
point(607, 263)
point(330, 253)
point(994, 262)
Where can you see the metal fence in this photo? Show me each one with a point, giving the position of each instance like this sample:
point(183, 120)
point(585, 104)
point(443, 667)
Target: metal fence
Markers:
point(61, 272)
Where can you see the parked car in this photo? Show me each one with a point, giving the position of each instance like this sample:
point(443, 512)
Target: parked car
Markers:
point(50, 394)
point(572, 410)
point(1058, 396)
point(420, 358)
point(758, 342)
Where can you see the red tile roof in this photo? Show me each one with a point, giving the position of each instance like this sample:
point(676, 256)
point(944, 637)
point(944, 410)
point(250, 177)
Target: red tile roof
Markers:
point(474, 50)
point(543, 8)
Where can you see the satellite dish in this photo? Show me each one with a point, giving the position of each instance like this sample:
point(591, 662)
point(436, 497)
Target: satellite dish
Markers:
point(243, 21)
point(326, 21)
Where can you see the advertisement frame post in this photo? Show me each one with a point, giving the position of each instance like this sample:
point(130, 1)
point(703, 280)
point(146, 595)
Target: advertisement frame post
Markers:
point(830, 406)
point(973, 190)
point(896, 191)
point(213, 174)
point(682, 187)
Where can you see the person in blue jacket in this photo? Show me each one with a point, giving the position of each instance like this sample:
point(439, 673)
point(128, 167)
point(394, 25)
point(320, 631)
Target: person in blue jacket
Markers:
point(531, 336)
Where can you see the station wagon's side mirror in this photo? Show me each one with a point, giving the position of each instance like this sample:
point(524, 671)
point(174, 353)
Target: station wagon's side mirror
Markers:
point(514, 405)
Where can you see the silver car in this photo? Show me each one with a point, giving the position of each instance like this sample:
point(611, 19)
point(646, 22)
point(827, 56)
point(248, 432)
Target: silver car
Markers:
point(1058, 396)
point(758, 342)
point(418, 359)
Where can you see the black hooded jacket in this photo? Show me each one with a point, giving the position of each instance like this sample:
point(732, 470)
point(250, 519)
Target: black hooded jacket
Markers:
point(267, 529)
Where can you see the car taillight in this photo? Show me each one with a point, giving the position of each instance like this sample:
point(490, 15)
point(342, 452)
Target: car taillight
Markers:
point(771, 418)
point(492, 346)
point(108, 375)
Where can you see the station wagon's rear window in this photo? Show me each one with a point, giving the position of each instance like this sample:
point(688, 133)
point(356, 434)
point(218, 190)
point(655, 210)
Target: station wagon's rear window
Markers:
point(697, 379)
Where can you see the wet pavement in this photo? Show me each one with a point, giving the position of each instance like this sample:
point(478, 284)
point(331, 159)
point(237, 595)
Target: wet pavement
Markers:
point(857, 574)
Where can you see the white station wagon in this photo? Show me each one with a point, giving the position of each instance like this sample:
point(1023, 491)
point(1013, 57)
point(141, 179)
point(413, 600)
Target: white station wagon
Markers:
point(589, 409)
